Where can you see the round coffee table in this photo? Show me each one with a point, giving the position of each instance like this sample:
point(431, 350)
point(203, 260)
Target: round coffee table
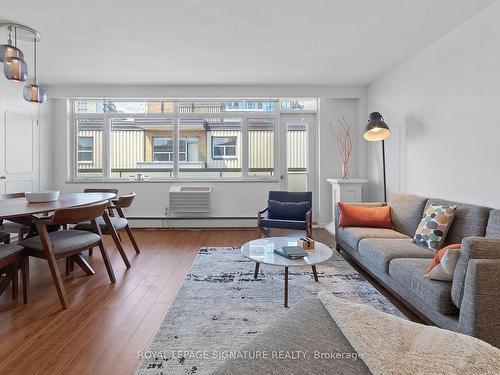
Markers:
point(262, 251)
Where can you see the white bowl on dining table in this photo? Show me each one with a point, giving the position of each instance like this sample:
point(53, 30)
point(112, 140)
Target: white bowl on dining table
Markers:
point(42, 196)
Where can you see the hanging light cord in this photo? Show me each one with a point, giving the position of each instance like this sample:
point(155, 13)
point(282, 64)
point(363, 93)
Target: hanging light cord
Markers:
point(35, 70)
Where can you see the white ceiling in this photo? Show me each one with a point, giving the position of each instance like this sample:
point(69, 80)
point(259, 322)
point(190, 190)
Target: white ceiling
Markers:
point(231, 41)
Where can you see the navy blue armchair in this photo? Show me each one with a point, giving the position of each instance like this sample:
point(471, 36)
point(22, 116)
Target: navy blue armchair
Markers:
point(286, 210)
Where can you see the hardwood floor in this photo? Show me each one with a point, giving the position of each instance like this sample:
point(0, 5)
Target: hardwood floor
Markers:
point(105, 325)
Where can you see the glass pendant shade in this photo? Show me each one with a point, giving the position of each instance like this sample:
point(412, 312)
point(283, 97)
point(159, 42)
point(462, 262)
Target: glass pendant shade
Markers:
point(34, 93)
point(15, 69)
point(6, 50)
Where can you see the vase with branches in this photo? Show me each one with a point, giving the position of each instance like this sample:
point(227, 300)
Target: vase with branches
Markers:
point(342, 135)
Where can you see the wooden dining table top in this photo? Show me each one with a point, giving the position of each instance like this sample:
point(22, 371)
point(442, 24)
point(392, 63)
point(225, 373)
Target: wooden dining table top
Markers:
point(16, 207)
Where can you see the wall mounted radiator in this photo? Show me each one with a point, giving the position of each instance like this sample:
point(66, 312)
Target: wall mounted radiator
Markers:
point(190, 198)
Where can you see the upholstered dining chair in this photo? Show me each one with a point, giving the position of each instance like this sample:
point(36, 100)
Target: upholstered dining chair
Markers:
point(111, 230)
point(12, 259)
point(68, 243)
point(19, 225)
point(286, 210)
point(120, 222)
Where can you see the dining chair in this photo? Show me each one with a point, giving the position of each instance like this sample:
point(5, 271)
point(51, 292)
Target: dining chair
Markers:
point(119, 223)
point(13, 259)
point(68, 243)
point(20, 225)
point(114, 234)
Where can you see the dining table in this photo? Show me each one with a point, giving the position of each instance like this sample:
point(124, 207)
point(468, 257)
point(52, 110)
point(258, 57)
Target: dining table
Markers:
point(20, 207)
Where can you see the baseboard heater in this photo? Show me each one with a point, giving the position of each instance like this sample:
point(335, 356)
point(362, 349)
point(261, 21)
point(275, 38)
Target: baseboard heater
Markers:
point(194, 199)
point(193, 218)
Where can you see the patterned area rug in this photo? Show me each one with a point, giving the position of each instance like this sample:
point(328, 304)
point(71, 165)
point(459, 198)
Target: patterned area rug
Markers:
point(220, 307)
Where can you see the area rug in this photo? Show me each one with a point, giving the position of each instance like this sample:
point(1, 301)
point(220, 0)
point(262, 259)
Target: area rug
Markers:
point(220, 307)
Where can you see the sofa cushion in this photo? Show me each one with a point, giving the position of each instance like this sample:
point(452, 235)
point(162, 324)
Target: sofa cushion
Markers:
point(469, 220)
point(352, 235)
point(381, 251)
point(493, 228)
point(307, 327)
point(410, 272)
point(406, 212)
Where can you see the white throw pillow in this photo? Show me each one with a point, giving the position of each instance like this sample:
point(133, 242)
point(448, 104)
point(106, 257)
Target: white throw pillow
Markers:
point(445, 269)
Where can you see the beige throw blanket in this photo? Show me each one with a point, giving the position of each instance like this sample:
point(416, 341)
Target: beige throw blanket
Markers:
point(390, 345)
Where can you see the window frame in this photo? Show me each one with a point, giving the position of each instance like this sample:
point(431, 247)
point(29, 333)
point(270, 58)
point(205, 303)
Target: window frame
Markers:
point(171, 153)
point(176, 116)
point(224, 147)
point(91, 152)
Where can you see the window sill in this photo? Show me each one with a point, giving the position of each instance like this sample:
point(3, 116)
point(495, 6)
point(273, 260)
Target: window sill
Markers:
point(172, 181)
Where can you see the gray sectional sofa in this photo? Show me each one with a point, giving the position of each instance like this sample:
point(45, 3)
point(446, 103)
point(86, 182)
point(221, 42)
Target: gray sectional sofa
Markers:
point(469, 304)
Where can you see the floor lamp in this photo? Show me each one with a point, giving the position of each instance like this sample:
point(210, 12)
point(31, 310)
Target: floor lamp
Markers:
point(377, 130)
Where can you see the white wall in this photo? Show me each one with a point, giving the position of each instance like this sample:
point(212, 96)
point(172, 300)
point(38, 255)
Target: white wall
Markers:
point(328, 156)
point(442, 106)
point(230, 199)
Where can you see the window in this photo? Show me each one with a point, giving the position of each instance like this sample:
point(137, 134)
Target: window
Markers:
point(163, 149)
point(88, 147)
point(224, 147)
point(260, 147)
point(85, 149)
point(179, 138)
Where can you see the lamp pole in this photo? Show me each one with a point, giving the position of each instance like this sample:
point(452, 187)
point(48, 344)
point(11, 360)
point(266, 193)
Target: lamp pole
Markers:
point(383, 166)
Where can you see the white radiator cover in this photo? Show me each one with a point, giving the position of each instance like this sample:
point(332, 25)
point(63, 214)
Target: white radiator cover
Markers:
point(190, 198)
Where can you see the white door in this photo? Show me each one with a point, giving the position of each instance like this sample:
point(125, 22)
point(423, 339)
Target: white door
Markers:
point(19, 151)
point(298, 138)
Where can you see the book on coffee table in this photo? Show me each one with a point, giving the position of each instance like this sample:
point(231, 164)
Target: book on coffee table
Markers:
point(291, 252)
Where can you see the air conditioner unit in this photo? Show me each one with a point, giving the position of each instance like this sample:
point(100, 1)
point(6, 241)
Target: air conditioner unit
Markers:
point(190, 198)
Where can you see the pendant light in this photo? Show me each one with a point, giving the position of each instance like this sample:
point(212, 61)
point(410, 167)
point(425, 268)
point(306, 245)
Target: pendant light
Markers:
point(14, 67)
point(34, 93)
point(8, 50)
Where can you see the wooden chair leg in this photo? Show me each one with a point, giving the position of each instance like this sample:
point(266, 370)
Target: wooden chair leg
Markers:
point(112, 231)
point(82, 263)
point(15, 280)
point(25, 271)
point(107, 263)
point(132, 239)
point(68, 266)
point(51, 260)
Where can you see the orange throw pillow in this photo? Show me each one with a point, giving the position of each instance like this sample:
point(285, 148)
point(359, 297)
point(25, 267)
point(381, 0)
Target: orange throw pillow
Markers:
point(357, 216)
point(439, 256)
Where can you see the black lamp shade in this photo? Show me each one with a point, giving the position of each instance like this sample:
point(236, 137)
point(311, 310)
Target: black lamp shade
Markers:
point(376, 129)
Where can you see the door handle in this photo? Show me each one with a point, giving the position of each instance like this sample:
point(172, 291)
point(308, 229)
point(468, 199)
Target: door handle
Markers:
point(3, 177)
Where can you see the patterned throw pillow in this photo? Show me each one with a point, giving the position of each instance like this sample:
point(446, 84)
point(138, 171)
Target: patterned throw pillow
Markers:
point(435, 223)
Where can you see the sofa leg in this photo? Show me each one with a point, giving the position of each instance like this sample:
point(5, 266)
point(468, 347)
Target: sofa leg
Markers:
point(338, 248)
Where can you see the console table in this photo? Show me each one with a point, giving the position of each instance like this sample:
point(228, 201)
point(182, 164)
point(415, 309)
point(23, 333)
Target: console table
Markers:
point(348, 190)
